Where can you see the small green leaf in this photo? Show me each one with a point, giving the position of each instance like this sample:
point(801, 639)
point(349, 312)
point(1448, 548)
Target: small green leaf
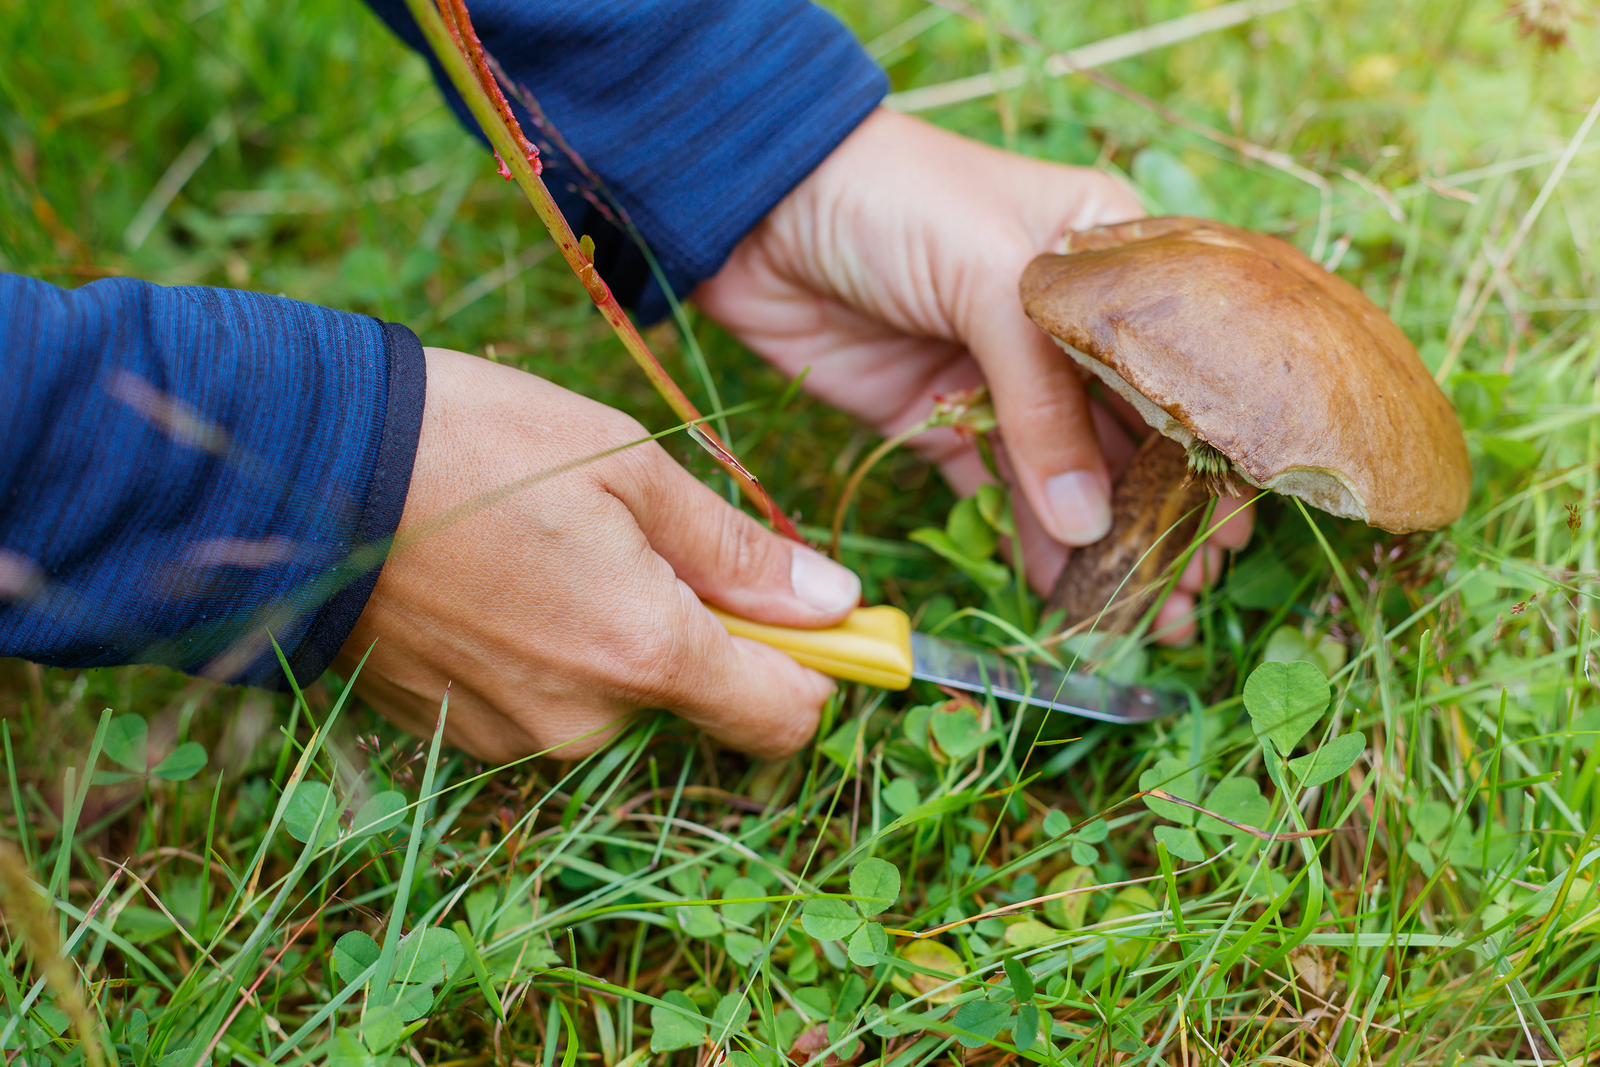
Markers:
point(126, 738)
point(182, 763)
point(380, 1028)
point(1134, 900)
point(1329, 761)
point(840, 745)
point(137, 1033)
point(958, 733)
point(746, 913)
point(816, 1004)
point(1084, 855)
point(1174, 776)
point(990, 575)
point(901, 795)
point(344, 1049)
point(868, 945)
point(112, 777)
point(57, 1020)
point(1067, 913)
point(1285, 700)
point(731, 1013)
point(698, 920)
point(994, 504)
point(969, 531)
point(1261, 581)
point(352, 954)
point(1030, 932)
point(678, 1026)
point(1094, 832)
point(1163, 175)
point(1518, 455)
point(742, 948)
point(428, 955)
point(140, 924)
point(1181, 842)
point(309, 802)
point(1288, 644)
point(940, 805)
point(1270, 883)
point(981, 1020)
point(1025, 1027)
point(1056, 823)
point(1021, 981)
point(1238, 799)
point(412, 1001)
point(875, 883)
point(803, 966)
point(930, 955)
point(828, 919)
point(381, 813)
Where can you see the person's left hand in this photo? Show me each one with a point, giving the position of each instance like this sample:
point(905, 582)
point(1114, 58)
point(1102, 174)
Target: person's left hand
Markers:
point(891, 272)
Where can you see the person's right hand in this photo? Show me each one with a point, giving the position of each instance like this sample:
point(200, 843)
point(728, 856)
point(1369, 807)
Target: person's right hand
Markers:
point(560, 609)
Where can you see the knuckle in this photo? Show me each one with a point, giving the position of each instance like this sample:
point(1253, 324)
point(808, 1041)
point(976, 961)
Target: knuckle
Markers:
point(644, 664)
point(744, 552)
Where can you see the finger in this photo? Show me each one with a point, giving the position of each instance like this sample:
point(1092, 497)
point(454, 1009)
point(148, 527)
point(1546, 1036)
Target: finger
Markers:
point(1175, 623)
point(742, 693)
point(727, 557)
point(1233, 520)
point(1042, 555)
point(1201, 570)
point(1044, 416)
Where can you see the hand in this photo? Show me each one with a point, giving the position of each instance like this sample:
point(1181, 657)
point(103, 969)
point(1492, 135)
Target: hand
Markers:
point(555, 611)
point(891, 272)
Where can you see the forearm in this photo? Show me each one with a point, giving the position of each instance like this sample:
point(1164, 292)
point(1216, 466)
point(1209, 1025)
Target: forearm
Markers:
point(698, 115)
point(189, 474)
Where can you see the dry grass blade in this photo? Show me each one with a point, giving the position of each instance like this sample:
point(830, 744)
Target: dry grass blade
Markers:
point(1248, 149)
point(1077, 60)
point(1525, 227)
point(25, 912)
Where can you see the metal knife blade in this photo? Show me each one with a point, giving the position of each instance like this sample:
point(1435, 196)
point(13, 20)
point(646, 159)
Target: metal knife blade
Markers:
point(962, 666)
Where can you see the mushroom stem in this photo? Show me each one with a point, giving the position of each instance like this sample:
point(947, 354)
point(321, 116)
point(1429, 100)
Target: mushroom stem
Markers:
point(1157, 495)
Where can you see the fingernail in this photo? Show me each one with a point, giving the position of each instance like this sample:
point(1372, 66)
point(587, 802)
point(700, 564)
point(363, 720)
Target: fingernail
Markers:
point(822, 583)
point(1080, 508)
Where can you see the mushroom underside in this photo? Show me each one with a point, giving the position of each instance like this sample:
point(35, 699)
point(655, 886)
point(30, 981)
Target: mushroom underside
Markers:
point(1321, 487)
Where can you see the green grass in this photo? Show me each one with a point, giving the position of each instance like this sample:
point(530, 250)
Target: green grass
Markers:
point(660, 889)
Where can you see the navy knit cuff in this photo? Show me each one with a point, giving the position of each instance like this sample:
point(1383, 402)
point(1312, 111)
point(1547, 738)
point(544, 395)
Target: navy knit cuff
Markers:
point(698, 115)
point(185, 472)
point(407, 376)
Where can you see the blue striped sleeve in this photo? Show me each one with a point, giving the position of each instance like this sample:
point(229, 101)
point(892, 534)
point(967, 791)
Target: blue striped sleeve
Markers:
point(188, 473)
point(698, 115)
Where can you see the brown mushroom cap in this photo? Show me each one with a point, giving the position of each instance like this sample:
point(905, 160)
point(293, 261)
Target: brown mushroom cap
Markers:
point(1240, 340)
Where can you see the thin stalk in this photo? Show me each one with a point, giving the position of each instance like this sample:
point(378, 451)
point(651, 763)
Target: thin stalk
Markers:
point(883, 449)
point(966, 411)
point(454, 41)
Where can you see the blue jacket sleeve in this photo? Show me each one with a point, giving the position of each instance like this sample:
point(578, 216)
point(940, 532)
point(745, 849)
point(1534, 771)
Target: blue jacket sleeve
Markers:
point(186, 471)
point(698, 115)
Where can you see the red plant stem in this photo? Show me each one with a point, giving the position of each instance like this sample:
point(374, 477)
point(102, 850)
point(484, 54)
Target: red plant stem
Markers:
point(449, 31)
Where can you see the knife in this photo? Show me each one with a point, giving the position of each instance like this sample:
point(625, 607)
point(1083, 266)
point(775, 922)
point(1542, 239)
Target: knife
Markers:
point(877, 646)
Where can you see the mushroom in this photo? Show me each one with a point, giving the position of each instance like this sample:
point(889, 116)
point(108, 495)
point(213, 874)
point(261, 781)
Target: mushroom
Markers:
point(1254, 364)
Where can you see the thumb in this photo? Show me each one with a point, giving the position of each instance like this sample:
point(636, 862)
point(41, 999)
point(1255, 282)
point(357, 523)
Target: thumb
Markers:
point(730, 559)
point(1044, 417)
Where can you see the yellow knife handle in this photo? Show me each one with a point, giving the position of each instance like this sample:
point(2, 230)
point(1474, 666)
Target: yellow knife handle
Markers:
point(873, 645)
